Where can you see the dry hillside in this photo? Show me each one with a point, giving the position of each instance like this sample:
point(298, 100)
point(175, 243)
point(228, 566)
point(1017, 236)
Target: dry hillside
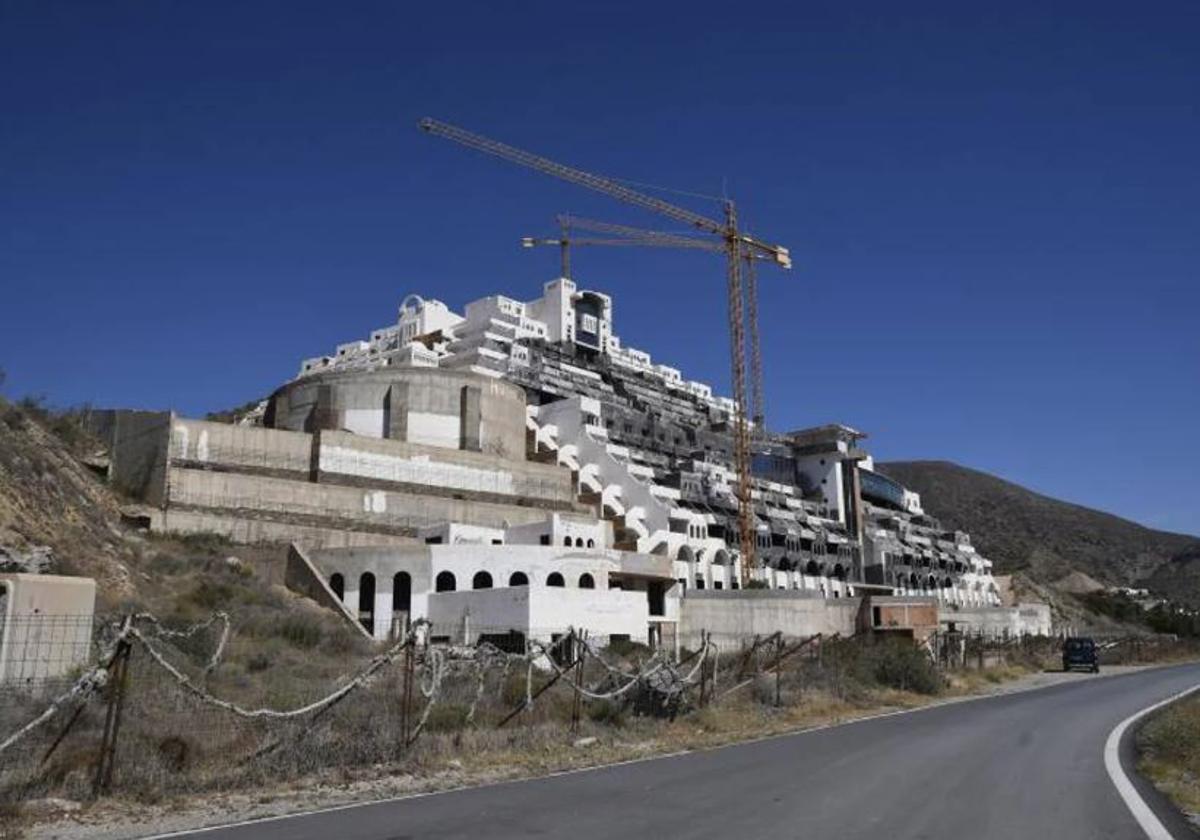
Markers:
point(1047, 538)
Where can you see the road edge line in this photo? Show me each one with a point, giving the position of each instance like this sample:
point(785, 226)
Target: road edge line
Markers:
point(387, 800)
point(1143, 813)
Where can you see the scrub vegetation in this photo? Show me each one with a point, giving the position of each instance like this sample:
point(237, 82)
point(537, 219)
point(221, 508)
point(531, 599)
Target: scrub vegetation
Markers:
point(1169, 753)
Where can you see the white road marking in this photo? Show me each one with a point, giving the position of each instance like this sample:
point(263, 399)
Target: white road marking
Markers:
point(1146, 818)
point(838, 724)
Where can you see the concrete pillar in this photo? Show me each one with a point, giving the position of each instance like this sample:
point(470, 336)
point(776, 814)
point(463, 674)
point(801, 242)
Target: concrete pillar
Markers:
point(469, 419)
point(395, 411)
point(324, 414)
point(383, 613)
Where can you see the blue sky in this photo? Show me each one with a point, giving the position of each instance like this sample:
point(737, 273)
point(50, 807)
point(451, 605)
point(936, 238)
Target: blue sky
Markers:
point(994, 211)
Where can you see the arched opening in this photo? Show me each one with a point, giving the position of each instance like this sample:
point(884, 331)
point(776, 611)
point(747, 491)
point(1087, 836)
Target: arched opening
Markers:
point(518, 579)
point(721, 558)
point(579, 542)
point(567, 542)
point(366, 600)
point(947, 583)
point(555, 579)
point(839, 571)
point(401, 592)
point(685, 555)
point(811, 568)
point(912, 580)
point(338, 584)
point(699, 581)
point(482, 580)
point(591, 544)
point(445, 582)
point(931, 582)
point(586, 581)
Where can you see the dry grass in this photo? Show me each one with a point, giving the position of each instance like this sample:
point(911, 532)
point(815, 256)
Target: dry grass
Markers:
point(1169, 753)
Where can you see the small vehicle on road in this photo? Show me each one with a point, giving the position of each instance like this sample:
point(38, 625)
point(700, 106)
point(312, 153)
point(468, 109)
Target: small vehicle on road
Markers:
point(1080, 652)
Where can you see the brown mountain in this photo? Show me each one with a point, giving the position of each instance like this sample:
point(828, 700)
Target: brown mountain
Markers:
point(1048, 538)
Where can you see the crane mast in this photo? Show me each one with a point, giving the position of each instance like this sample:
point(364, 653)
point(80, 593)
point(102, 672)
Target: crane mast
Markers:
point(737, 246)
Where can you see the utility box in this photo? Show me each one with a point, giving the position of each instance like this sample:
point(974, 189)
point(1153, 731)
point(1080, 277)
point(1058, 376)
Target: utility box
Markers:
point(45, 627)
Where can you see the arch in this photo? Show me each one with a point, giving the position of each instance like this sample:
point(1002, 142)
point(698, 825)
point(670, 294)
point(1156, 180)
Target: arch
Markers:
point(591, 543)
point(812, 568)
point(338, 584)
point(931, 582)
point(555, 579)
point(784, 564)
point(567, 542)
point(518, 579)
point(699, 581)
point(445, 582)
point(366, 599)
point(912, 580)
point(721, 558)
point(947, 583)
point(686, 555)
point(839, 571)
point(401, 592)
point(586, 581)
point(482, 580)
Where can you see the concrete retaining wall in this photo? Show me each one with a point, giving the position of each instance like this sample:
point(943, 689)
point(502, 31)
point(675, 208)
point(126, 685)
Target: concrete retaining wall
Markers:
point(345, 456)
point(251, 529)
point(201, 443)
point(225, 492)
point(733, 617)
point(138, 457)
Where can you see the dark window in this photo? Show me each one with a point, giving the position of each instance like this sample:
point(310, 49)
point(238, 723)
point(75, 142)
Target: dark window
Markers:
point(555, 579)
point(699, 582)
point(482, 580)
point(338, 584)
point(433, 541)
point(545, 539)
point(586, 581)
point(591, 544)
point(718, 584)
point(445, 582)
point(567, 542)
point(579, 542)
point(366, 599)
point(401, 592)
point(518, 579)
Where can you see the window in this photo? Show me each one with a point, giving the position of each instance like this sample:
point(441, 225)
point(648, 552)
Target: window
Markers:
point(699, 582)
point(445, 582)
point(518, 579)
point(338, 584)
point(555, 579)
point(579, 542)
point(544, 539)
point(401, 592)
point(588, 323)
point(567, 542)
point(718, 584)
point(586, 581)
point(591, 543)
point(482, 580)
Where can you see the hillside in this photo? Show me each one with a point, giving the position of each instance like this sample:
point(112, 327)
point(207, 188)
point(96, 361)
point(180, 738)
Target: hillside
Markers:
point(1048, 538)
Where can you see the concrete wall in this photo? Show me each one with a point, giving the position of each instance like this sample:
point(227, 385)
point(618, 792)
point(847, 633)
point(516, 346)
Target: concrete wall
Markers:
point(342, 456)
point(539, 613)
point(999, 622)
point(333, 506)
point(45, 626)
point(448, 409)
point(735, 616)
point(201, 443)
point(254, 527)
point(138, 459)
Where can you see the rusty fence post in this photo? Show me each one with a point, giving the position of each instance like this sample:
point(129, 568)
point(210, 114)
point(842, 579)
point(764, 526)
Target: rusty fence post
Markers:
point(119, 676)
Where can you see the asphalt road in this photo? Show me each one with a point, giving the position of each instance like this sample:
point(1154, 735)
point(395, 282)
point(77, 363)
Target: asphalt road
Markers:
point(1027, 765)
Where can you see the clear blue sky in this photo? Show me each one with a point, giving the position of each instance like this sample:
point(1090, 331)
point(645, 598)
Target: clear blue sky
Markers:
point(994, 212)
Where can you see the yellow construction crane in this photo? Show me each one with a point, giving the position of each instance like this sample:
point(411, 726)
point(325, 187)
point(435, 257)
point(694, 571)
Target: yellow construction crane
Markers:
point(739, 248)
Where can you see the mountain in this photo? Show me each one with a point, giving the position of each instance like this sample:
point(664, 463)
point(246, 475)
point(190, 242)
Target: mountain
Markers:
point(1049, 539)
